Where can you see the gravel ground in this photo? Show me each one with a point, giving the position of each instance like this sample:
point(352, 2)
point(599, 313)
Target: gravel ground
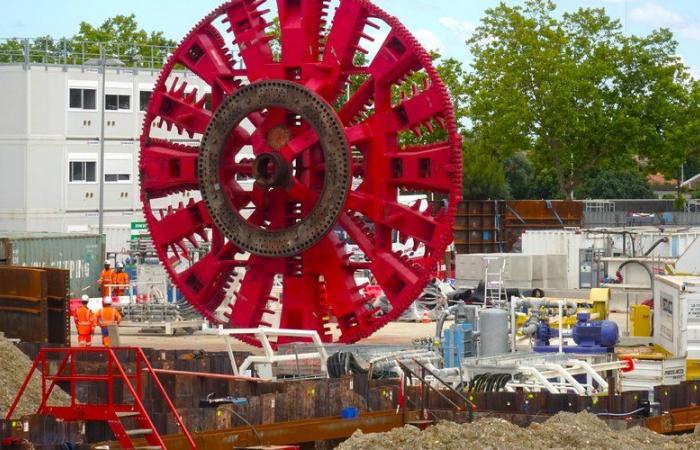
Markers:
point(563, 431)
point(14, 366)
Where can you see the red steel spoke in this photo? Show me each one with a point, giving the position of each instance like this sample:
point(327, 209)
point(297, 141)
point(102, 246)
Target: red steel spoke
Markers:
point(396, 276)
point(342, 294)
point(408, 221)
point(181, 224)
point(340, 48)
point(204, 282)
point(301, 24)
point(204, 53)
point(297, 311)
point(249, 27)
point(184, 111)
point(167, 167)
point(428, 167)
point(298, 144)
point(250, 301)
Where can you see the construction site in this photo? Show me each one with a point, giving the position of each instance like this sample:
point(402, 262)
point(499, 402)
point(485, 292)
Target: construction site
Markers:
point(245, 241)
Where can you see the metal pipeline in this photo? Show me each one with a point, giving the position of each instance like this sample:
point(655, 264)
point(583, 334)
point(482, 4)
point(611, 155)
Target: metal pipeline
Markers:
point(635, 261)
point(655, 244)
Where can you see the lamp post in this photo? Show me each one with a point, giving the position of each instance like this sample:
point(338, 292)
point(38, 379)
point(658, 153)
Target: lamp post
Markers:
point(101, 207)
point(102, 64)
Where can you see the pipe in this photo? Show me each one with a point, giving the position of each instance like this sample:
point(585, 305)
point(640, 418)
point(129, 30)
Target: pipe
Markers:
point(635, 261)
point(656, 244)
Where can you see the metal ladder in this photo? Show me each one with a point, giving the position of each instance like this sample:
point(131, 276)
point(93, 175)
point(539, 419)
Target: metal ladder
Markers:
point(494, 290)
point(113, 411)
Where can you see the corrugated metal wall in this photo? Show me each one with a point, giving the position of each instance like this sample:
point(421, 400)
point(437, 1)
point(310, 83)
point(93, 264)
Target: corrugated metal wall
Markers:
point(81, 254)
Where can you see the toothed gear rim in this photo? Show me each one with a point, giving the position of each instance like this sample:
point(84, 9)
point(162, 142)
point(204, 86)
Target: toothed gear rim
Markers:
point(320, 115)
point(205, 285)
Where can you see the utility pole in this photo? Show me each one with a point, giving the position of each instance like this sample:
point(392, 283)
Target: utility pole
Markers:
point(103, 64)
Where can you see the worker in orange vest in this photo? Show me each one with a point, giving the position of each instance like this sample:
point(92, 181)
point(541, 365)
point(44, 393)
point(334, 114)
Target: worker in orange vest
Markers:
point(106, 278)
point(108, 315)
point(121, 279)
point(84, 322)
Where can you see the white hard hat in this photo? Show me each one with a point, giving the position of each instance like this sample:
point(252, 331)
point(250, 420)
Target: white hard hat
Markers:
point(120, 266)
point(107, 263)
point(107, 301)
point(84, 298)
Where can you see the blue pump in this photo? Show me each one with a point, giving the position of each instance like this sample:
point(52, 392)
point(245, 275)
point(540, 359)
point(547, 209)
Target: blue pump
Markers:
point(590, 336)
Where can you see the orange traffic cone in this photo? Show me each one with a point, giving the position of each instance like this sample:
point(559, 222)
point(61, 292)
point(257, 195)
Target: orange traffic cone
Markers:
point(425, 318)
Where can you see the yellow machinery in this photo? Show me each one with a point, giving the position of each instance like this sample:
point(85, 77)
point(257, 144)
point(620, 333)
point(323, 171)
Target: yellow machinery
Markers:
point(640, 320)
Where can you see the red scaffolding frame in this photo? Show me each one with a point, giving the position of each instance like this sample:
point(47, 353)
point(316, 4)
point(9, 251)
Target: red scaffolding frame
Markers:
point(114, 410)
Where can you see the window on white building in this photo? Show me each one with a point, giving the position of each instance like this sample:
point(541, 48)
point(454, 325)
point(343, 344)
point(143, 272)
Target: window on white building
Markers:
point(118, 168)
point(144, 98)
point(82, 98)
point(82, 171)
point(115, 102)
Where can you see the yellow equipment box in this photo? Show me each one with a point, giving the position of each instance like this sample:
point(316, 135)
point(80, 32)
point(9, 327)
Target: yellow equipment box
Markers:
point(640, 320)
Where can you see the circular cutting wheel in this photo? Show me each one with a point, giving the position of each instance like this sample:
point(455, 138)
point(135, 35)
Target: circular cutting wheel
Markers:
point(297, 173)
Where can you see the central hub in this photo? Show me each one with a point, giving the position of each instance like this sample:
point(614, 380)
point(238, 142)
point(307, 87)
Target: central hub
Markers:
point(271, 170)
point(314, 198)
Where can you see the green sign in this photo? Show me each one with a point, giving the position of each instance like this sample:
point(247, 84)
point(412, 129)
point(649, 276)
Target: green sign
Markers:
point(139, 229)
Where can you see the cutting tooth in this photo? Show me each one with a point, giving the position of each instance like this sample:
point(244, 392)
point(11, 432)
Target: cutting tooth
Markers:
point(366, 36)
point(360, 49)
point(372, 24)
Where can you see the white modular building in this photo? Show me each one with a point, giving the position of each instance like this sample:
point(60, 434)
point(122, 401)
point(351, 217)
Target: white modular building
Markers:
point(50, 144)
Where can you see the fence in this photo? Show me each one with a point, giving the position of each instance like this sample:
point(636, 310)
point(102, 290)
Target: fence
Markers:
point(81, 53)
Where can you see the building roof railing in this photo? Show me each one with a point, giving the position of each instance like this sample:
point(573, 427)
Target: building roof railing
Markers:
point(70, 52)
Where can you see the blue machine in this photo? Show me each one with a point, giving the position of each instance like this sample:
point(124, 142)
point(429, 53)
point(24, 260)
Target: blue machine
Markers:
point(457, 344)
point(590, 336)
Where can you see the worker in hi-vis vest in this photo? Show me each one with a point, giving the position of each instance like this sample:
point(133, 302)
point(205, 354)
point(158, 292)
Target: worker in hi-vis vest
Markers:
point(121, 279)
point(84, 322)
point(106, 278)
point(108, 315)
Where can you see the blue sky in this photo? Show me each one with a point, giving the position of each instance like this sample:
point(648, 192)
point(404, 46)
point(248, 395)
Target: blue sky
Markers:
point(439, 24)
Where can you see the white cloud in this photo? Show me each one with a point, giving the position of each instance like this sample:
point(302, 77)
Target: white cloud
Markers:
point(461, 28)
point(657, 16)
point(694, 72)
point(429, 40)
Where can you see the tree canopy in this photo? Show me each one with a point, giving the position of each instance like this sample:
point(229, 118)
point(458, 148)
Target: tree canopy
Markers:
point(575, 94)
point(120, 35)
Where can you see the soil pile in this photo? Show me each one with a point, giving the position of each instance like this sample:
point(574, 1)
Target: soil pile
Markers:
point(14, 366)
point(563, 431)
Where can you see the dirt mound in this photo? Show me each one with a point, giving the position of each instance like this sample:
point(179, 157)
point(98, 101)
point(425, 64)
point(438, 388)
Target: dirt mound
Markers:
point(13, 369)
point(563, 431)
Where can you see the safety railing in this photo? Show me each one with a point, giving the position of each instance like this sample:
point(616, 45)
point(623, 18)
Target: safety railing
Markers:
point(70, 52)
point(71, 372)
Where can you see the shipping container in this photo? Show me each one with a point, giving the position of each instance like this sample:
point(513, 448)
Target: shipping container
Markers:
point(81, 254)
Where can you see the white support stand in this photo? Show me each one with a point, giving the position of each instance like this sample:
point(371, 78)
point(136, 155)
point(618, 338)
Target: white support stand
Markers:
point(264, 364)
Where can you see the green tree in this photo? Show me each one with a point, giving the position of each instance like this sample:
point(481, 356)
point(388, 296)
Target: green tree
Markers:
point(520, 174)
point(120, 35)
point(483, 174)
point(613, 184)
point(572, 91)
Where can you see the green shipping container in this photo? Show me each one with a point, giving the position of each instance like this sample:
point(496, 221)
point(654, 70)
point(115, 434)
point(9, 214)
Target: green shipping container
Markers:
point(81, 254)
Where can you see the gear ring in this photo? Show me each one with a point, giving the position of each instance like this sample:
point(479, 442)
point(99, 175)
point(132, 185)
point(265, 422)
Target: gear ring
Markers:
point(310, 107)
point(399, 244)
